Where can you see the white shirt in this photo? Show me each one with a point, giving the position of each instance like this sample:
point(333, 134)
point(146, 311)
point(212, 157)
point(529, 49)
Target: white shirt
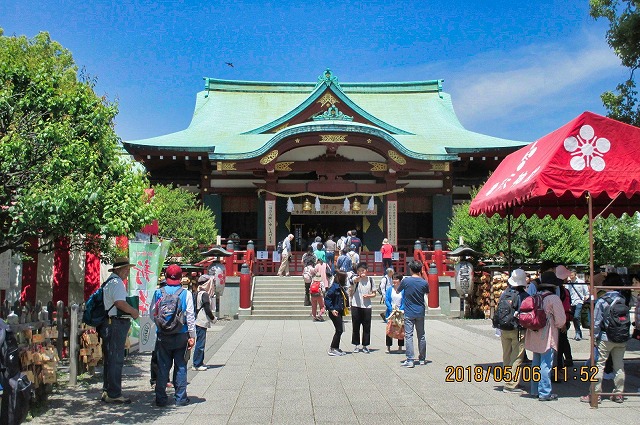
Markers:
point(363, 288)
point(113, 291)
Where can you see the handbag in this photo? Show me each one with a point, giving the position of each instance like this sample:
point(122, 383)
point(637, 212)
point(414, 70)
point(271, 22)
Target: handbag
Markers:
point(636, 334)
point(395, 324)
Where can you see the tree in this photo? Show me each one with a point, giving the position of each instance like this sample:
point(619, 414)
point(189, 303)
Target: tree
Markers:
point(62, 171)
point(616, 240)
point(562, 240)
point(624, 38)
point(189, 225)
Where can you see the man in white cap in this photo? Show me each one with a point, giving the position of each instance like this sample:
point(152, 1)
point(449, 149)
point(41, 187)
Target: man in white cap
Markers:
point(283, 270)
point(511, 334)
point(115, 329)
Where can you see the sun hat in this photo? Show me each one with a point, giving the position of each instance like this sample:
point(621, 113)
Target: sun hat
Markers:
point(174, 274)
point(120, 263)
point(385, 240)
point(518, 278)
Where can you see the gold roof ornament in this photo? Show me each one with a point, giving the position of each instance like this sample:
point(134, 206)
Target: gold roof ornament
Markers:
point(356, 205)
point(306, 205)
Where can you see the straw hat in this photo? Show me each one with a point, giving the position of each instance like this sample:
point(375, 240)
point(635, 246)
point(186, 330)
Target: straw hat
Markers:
point(120, 263)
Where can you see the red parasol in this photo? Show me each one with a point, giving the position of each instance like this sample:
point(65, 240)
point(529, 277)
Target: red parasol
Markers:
point(592, 162)
point(589, 155)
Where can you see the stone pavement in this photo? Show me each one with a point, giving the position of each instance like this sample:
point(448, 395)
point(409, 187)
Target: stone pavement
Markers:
point(279, 372)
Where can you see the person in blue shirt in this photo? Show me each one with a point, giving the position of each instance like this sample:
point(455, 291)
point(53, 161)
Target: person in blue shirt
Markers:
point(415, 288)
point(171, 348)
point(392, 300)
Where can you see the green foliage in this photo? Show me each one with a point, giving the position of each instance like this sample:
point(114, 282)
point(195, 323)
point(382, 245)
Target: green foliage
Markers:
point(562, 240)
point(181, 219)
point(617, 240)
point(62, 172)
point(624, 38)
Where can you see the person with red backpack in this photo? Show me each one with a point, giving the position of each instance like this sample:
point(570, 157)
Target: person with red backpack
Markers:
point(549, 313)
point(611, 324)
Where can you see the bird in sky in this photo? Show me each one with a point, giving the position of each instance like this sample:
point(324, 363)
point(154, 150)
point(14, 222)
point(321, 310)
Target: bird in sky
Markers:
point(229, 64)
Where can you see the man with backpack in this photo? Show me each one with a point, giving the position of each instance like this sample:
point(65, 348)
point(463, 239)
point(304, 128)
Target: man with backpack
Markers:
point(542, 314)
point(611, 324)
point(114, 330)
point(173, 313)
point(511, 333)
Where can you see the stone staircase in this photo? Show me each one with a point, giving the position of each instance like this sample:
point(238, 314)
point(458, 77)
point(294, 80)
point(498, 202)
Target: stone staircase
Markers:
point(282, 298)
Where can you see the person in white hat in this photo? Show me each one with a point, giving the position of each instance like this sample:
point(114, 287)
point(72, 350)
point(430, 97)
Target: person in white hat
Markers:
point(511, 334)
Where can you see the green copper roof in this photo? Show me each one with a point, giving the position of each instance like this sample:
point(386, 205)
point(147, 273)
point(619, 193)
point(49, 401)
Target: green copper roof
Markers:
point(230, 118)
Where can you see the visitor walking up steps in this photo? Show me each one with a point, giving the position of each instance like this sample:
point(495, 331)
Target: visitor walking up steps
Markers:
point(283, 270)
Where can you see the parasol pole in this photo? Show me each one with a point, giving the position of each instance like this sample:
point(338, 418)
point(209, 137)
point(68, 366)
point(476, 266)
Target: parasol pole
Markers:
point(509, 238)
point(594, 396)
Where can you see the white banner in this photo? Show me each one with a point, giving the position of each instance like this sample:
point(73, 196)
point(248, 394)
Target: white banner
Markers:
point(270, 223)
point(392, 222)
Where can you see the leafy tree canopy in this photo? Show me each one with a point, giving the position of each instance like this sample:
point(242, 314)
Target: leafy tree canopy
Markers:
point(180, 218)
point(62, 172)
point(563, 240)
point(624, 38)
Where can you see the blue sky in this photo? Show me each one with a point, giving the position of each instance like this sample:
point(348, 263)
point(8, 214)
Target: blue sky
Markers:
point(515, 69)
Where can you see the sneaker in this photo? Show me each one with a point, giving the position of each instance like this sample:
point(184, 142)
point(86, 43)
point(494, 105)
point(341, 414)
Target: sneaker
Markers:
point(334, 352)
point(550, 397)
point(578, 337)
point(365, 350)
point(407, 363)
point(388, 350)
point(422, 362)
point(382, 316)
point(356, 349)
point(512, 390)
point(617, 398)
point(119, 400)
point(587, 399)
point(183, 403)
point(199, 368)
point(342, 353)
point(104, 393)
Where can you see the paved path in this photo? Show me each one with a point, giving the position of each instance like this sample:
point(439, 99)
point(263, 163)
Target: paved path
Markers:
point(279, 372)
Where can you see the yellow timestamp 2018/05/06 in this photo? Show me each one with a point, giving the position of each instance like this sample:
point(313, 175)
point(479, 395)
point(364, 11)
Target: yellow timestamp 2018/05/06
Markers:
point(495, 373)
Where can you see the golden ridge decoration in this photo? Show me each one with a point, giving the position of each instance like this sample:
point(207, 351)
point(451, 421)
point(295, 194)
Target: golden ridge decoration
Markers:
point(330, 198)
point(333, 138)
point(284, 166)
point(378, 166)
point(327, 99)
point(397, 157)
point(269, 157)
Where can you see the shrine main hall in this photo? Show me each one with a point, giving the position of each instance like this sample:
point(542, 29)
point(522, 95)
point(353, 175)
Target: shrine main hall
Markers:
point(389, 159)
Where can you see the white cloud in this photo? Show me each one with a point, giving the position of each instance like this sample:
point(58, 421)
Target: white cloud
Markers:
point(493, 85)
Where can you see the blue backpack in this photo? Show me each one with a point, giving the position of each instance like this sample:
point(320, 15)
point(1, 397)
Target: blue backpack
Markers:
point(169, 315)
point(94, 312)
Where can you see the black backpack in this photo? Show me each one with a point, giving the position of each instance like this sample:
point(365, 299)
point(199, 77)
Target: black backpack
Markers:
point(17, 389)
point(617, 320)
point(280, 248)
point(505, 316)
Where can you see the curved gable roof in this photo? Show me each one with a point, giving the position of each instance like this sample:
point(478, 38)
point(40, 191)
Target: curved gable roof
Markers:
point(233, 115)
